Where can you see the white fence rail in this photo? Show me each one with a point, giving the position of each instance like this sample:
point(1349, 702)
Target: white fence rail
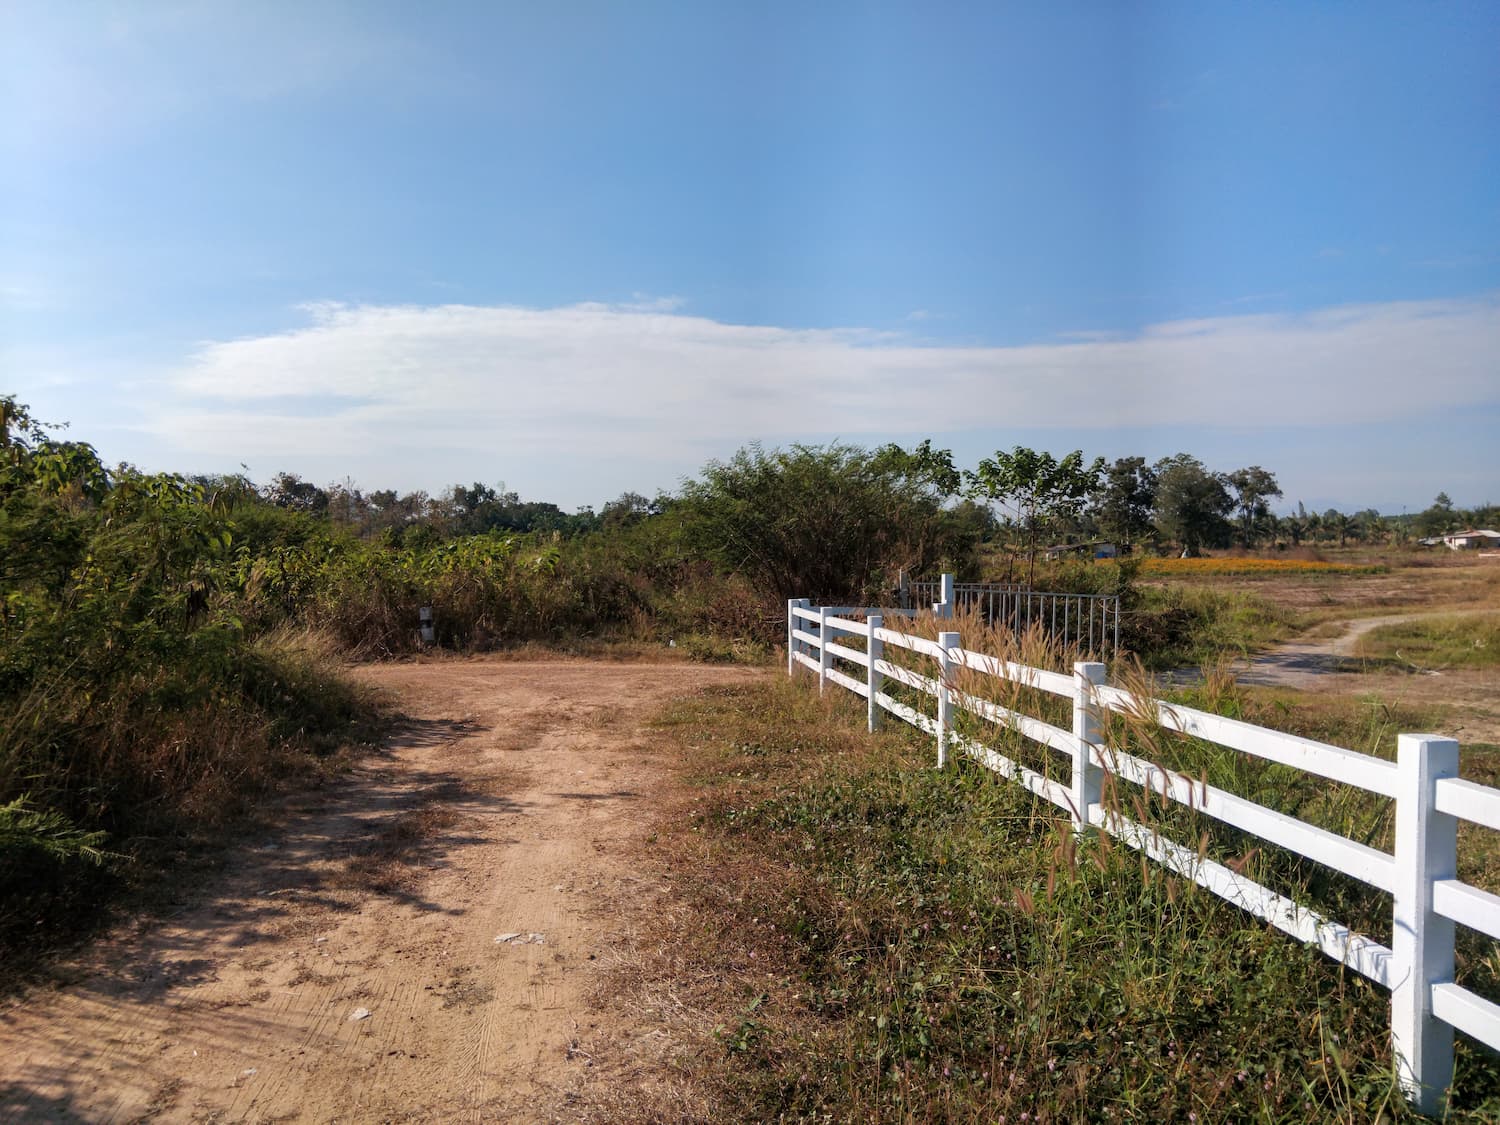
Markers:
point(1420, 874)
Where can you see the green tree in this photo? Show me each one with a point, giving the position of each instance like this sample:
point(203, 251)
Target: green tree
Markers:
point(1038, 488)
point(1192, 504)
point(1338, 525)
point(630, 508)
point(831, 522)
point(1372, 525)
point(288, 490)
point(1125, 499)
point(1253, 487)
point(1439, 519)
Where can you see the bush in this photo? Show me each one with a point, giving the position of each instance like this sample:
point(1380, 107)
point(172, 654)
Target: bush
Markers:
point(834, 523)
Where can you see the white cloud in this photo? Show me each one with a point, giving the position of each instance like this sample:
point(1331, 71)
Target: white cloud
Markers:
point(633, 381)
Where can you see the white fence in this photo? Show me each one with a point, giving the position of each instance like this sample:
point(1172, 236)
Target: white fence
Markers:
point(1420, 875)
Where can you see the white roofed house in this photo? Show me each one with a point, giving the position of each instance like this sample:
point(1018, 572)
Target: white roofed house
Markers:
point(1472, 540)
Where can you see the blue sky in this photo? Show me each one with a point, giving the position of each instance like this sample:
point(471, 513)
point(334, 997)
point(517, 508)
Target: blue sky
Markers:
point(584, 247)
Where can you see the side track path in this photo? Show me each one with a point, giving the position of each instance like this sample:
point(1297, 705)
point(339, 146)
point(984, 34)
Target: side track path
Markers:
point(421, 941)
point(1300, 664)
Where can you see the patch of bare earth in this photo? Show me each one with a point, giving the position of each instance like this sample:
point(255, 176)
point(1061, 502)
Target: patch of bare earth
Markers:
point(432, 938)
point(1329, 664)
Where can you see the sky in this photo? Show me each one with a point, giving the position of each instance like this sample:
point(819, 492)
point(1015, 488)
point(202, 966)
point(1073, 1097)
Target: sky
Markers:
point(583, 248)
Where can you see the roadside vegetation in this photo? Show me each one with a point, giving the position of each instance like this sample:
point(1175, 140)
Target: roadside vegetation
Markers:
point(891, 943)
point(137, 715)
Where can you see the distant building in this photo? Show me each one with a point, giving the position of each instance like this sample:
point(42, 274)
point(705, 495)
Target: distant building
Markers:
point(1472, 540)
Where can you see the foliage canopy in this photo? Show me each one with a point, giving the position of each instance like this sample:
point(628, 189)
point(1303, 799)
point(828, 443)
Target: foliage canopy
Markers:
point(834, 522)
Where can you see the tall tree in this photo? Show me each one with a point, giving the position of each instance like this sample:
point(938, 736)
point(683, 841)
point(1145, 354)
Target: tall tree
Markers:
point(1192, 504)
point(1125, 498)
point(288, 490)
point(1439, 518)
point(1253, 487)
point(1037, 487)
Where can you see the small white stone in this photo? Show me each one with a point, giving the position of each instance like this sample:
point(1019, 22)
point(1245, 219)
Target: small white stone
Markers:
point(359, 1014)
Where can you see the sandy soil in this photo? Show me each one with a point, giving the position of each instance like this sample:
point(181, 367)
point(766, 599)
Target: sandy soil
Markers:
point(423, 940)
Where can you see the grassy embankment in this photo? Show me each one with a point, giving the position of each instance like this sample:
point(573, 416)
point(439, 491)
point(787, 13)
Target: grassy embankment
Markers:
point(906, 945)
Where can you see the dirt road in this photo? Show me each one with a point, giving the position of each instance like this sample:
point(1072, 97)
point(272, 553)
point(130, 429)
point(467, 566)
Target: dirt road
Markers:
point(1467, 695)
point(1300, 664)
point(423, 940)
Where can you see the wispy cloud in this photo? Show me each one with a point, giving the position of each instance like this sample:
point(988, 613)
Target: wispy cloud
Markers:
point(361, 382)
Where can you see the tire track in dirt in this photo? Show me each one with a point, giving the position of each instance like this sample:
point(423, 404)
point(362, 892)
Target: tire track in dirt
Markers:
point(512, 803)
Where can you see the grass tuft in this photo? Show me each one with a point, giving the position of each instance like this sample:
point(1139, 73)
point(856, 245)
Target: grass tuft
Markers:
point(1456, 641)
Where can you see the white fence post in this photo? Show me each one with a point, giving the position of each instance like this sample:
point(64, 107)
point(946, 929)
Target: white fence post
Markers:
point(874, 681)
point(825, 658)
point(1421, 939)
point(946, 641)
point(944, 608)
point(791, 628)
point(1088, 778)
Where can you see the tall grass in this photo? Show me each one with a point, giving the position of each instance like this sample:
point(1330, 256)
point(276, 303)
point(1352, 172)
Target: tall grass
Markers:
point(1178, 626)
point(1451, 641)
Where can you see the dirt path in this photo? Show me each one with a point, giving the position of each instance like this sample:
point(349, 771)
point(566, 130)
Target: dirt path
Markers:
point(421, 942)
point(1302, 664)
point(1467, 695)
